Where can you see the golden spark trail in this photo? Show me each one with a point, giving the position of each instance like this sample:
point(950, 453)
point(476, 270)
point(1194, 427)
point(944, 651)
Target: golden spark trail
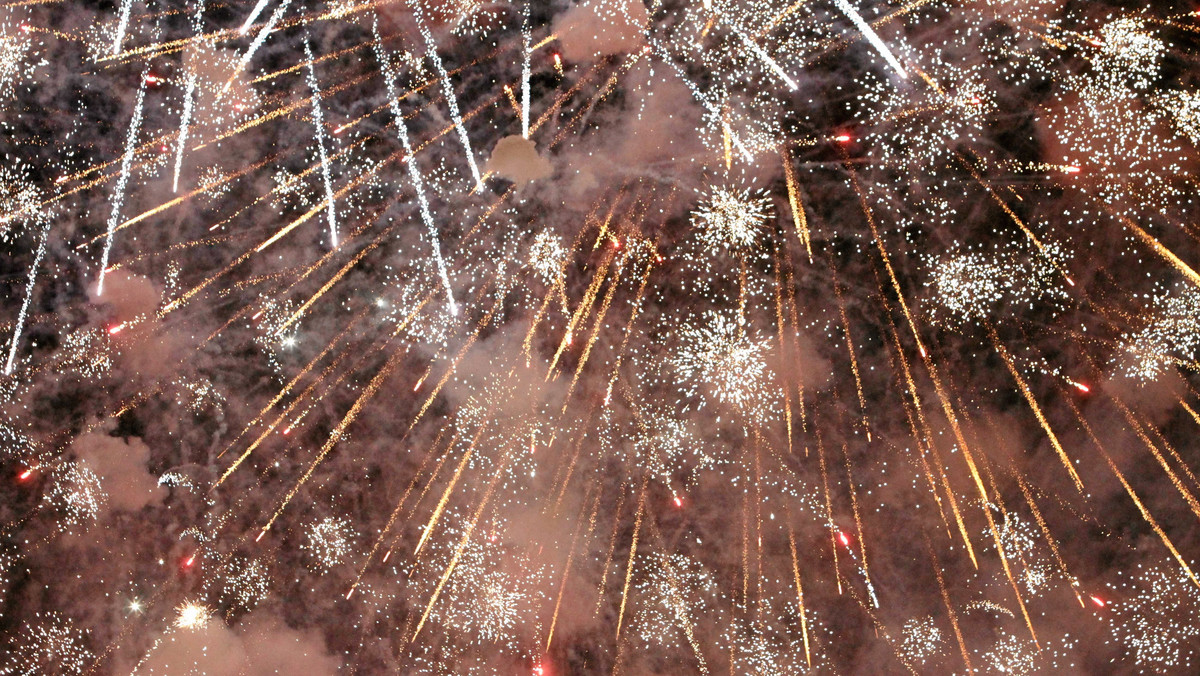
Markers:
point(794, 317)
point(1193, 413)
point(799, 218)
point(612, 548)
point(396, 512)
point(837, 571)
point(597, 324)
point(562, 587)
point(487, 318)
point(1137, 429)
point(952, 418)
point(368, 392)
point(285, 110)
point(799, 589)
point(637, 527)
point(862, 541)
point(962, 646)
point(574, 460)
point(1037, 516)
point(332, 281)
point(1015, 218)
point(283, 416)
point(887, 262)
point(433, 475)
point(585, 305)
point(358, 180)
point(441, 506)
point(1037, 411)
point(462, 544)
point(862, 404)
point(295, 379)
point(918, 438)
point(633, 314)
point(183, 198)
point(1162, 535)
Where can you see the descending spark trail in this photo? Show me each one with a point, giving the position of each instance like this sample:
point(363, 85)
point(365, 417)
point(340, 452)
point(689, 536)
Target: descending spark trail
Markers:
point(254, 46)
point(118, 199)
point(33, 269)
point(189, 100)
point(871, 36)
point(185, 120)
point(525, 53)
point(766, 58)
point(413, 170)
point(258, 8)
point(319, 124)
point(447, 89)
point(122, 25)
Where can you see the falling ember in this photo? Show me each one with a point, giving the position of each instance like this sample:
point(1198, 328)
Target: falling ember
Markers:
point(25, 475)
point(845, 539)
point(842, 138)
point(1098, 601)
point(113, 330)
point(678, 501)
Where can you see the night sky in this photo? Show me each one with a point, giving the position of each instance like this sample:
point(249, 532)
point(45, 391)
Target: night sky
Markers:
point(613, 337)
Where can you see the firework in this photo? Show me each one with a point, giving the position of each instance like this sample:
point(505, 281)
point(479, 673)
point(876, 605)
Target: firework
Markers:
point(732, 219)
point(631, 416)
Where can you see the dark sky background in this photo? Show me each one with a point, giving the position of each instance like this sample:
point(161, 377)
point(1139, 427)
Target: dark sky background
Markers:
point(774, 348)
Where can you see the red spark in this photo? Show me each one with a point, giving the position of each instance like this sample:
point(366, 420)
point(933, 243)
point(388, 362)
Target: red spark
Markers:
point(190, 560)
point(845, 539)
point(1098, 601)
point(842, 138)
point(1081, 387)
point(678, 501)
point(113, 330)
point(1073, 169)
point(25, 475)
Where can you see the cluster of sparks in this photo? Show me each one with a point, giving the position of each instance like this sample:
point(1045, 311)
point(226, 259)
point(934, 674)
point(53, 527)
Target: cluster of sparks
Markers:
point(622, 415)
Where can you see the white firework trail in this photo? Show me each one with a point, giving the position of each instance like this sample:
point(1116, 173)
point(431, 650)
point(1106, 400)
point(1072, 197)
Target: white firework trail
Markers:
point(258, 8)
point(319, 122)
point(447, 90)
point(525, 41)
point(766, 58)
point(122, 25)
point(413, 170)
point(188, 101)
point(702, 100)
point(185, 120)
point(119, 193)
point(258, 42)
point(37, 261)
point(871, 36)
